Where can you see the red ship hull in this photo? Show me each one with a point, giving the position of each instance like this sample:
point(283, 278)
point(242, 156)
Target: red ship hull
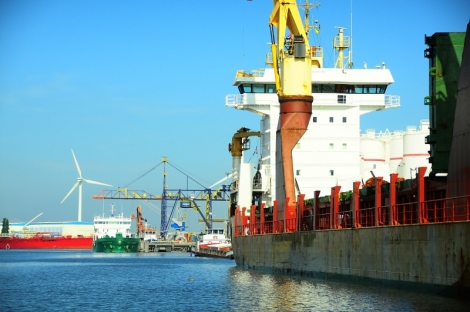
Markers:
point(45, 242)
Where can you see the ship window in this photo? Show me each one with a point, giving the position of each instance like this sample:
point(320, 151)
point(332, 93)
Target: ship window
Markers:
point(316, 88)
point(332, 172)
point(258, 88)
point(345, 146)
point(358, 89)
point(339, 88)
point(314, 119)
point(327, 88)
point(331, 119)
point(297, 146)
point(343, 88)
point(332, 146)
point(341, 99)
point(244, 88)
point(344, 119)
point(270, 88)
point(297, 172)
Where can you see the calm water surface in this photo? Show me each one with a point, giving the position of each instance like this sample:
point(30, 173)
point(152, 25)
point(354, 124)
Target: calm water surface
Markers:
point(86, 281)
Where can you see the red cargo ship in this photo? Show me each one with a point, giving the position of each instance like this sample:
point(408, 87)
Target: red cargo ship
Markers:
point(46, 241)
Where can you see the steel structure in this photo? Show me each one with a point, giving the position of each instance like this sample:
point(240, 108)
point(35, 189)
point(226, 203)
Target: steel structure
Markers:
point(183, 196)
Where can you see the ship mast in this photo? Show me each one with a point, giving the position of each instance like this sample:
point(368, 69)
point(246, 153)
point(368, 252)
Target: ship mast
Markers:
point(307, 7)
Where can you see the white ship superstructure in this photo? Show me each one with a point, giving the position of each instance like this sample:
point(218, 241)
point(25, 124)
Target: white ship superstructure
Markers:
point(110, 226)
point(332, 151)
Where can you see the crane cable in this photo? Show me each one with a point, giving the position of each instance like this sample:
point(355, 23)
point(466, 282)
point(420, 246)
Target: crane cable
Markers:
point(187, 175)
point(142, 175)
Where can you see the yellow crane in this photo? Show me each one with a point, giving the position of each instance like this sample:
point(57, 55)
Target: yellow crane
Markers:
point(184, 196)
point(292, 62)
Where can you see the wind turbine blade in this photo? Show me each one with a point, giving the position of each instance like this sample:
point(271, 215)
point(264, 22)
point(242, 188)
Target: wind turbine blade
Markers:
point(94, 182)
point(76, 164)
point(70, 192)
point(222, 180)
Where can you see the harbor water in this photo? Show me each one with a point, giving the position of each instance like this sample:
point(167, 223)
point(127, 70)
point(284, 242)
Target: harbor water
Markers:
point(45, 280)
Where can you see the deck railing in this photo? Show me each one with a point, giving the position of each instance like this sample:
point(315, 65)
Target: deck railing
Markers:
point(454, 209)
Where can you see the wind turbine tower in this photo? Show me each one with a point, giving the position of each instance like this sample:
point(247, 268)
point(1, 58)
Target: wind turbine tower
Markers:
point(80, 179)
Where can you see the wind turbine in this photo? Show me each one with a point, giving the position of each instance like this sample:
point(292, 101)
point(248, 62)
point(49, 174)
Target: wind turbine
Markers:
point(80, 179)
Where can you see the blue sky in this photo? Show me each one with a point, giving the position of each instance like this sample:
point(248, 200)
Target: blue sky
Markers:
point(124, 83)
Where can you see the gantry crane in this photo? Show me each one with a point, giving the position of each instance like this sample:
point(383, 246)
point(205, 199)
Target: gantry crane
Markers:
point(184, 196)
point(187, 199)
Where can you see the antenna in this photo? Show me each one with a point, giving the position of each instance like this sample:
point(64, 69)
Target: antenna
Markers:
point(351, 64)
point(307, 7)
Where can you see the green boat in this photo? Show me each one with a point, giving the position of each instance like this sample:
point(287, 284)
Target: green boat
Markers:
point(116, 244)
point(113, 234)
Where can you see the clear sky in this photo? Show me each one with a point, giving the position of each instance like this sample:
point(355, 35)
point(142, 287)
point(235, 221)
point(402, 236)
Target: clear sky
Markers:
point(123, 83)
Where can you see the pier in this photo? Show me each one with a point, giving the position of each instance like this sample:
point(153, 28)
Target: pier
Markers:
point(166, 246)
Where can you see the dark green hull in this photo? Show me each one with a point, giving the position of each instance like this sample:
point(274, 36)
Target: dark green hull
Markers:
point(116, 244)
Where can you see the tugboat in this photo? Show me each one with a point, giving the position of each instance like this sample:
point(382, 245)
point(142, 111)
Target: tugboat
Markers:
point(113, 234)
point(214, 244)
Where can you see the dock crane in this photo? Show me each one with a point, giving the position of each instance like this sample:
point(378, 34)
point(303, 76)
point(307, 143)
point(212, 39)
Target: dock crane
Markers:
point(143, 230)
point(240, 143)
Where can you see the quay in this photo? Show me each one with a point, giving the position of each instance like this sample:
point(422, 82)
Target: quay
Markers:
point(166, 246)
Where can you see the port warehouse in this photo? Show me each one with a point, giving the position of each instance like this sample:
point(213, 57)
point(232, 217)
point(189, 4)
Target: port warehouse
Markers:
point(352, 238)
point(72, 228)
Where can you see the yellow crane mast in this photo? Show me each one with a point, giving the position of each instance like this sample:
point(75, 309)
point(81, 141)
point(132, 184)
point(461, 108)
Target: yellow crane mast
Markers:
point(292, 62)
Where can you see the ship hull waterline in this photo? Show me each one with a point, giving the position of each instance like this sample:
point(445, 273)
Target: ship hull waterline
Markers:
point(433, 257)
point(46, 243)
point(116, 245)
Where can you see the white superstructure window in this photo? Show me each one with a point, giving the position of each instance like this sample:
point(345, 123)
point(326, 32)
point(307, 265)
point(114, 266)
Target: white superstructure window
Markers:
point(332, 172)
point(344, 119)
point(332, 146)
point(297, 146)
point(345, 146)
point(341, 99)
point(314, 119)
point(331, 119)
point(297, 172)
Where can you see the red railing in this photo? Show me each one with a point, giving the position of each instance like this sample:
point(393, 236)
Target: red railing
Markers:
point(432, 211)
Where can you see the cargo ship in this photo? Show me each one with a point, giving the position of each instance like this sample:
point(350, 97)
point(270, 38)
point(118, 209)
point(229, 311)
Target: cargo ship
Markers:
point(45, 235)
point(113, 234)
point(321, 203)
point(45, 241)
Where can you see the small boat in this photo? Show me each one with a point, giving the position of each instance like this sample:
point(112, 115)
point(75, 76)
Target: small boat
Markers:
point(113, 234)
point(214, 244)
point(223, 250)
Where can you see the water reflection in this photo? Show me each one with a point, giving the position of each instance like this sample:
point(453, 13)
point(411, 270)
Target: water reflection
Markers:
point(262, 291)
point(58, 281)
